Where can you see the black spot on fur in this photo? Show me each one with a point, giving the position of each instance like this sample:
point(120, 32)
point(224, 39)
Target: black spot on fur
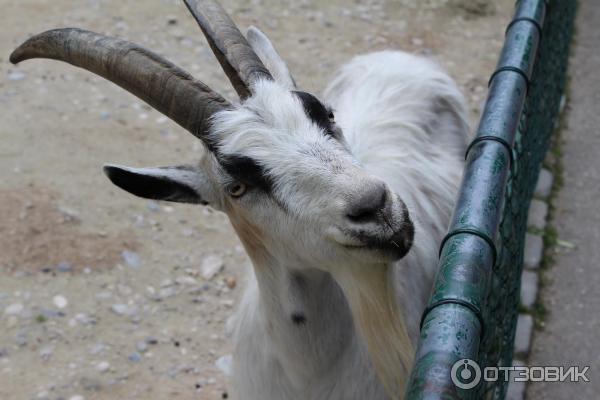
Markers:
point(298, 318)
point(247, 171)
point(317, 112)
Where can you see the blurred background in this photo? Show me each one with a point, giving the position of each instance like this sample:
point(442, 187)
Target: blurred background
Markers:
point(106, 296)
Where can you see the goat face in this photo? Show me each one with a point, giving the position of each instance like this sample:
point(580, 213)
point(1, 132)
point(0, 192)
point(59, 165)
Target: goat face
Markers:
point(277, 162)
point(282, 172)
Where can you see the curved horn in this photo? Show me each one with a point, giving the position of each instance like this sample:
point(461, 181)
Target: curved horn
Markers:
point(240, 63)
point(150, 77)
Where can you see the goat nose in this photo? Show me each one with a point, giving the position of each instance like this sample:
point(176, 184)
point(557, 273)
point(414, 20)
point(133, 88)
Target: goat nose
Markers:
point(365, 206)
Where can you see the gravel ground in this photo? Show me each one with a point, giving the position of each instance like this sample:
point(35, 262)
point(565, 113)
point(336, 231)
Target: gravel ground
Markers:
point(106, 296)
point(569, 337)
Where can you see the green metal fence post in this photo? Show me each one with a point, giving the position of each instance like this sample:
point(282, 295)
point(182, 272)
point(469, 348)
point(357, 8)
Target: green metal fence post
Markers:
point(453, 323)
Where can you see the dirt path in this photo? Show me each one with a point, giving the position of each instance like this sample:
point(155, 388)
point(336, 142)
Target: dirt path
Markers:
point(101, 294)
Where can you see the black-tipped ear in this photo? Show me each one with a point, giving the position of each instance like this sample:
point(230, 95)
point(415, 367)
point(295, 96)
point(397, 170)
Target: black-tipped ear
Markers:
point(164, 183)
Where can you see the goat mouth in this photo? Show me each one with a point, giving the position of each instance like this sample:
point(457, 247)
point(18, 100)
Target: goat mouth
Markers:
point(396, 245)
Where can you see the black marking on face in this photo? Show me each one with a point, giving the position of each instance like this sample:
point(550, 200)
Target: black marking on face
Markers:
point(317, 112)
point(247, 171)
point(298, 318)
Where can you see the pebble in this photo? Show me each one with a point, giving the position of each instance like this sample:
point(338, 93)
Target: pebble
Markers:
point(120, 309)
point(231, 282)
point(14, 309)
point(103, 295)
point(85, 319)
point(64, 267)
point(60, 301)
point(167, 292)
point(141, 346)
point(103, 366)
point(211, 266)
point(97, 349)
point(131, 258)
point(46, 353)
point(52, 313)
point(186, 280)
point(151, 340)
point(153, 206)
point(16, 76)
point(21, 339)
point(77, 397)
point(135, 357)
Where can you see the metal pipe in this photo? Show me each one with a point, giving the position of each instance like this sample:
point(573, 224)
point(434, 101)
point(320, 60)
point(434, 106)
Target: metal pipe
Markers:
point(453, 323)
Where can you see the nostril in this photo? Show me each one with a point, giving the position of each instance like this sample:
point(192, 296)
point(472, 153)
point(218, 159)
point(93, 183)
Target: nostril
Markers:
point(368, 204)
point(362, 215)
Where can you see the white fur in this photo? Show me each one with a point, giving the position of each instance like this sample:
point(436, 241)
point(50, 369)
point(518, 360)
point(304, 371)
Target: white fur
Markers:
point(330, 312)
point(404, 123)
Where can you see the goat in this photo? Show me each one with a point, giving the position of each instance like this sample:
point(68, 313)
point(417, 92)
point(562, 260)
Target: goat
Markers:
point(340, 214)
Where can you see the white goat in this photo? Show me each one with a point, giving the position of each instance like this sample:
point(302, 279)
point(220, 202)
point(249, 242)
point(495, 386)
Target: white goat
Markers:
point(340, 217)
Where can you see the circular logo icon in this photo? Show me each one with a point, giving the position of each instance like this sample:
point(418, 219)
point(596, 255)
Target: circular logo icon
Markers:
point(465, 374)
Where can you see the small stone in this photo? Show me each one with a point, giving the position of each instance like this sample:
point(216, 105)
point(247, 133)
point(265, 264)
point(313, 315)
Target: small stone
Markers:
point(131, 258)
point(86, 319)
point(77, 397)
point(90, 384)
point(529, 288)
point(211, 266)
point(14, 309)
point(97, 349)
point(16, 76)
point(60, 301)
point(103, 366)
point(151, 340)
point(120, 309)
point(543, 188)
point(46, 352)
point(227, 303)
point(52, 313)
point(142, 347)
point(103, 295)
point(153, 206)
point(135, 357)
point(64, 267)
point(224, 364)
point(538, 211)
point(185, 280)
point(21, 339)
point(172, 20)
point(523, 334)
point(230, 281)
point(417, 42)
point(534, 250)
point(165, 293)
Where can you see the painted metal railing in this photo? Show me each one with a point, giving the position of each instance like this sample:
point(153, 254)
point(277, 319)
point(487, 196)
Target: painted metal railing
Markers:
point(473, 308)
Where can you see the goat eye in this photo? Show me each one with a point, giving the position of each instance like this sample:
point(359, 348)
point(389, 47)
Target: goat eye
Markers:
point(331, 116)
point(236, 189)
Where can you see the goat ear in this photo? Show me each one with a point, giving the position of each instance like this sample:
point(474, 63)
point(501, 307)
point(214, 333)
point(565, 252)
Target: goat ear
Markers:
point(265, 50)
point(180, 184)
